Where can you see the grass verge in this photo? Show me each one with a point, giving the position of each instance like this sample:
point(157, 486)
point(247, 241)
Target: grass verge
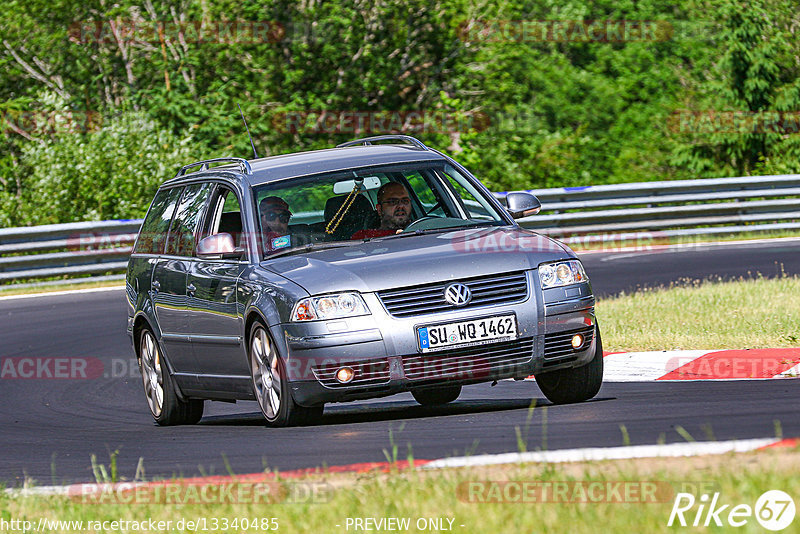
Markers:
point(6, 291)
point(460, 494)
point(745, 314)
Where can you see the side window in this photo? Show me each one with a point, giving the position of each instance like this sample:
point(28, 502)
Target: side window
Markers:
point(472, 201)
point(183, 233)
point(421, 188)
point(427, 195)
point(153, 234)
point(226, 216)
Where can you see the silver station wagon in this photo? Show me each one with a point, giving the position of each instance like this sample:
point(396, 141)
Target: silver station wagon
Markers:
point(373, 268)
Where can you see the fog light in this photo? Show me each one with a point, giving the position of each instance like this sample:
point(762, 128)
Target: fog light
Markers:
point(345, 375)
point(577, 341)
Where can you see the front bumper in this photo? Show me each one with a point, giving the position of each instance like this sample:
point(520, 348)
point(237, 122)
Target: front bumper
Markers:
point(386, 361)
point(378, 377)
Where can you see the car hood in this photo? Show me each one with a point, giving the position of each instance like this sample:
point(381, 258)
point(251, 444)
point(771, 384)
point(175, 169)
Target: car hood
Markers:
point(419, 259)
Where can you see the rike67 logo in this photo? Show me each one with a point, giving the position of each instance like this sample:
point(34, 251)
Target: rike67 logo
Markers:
point(774, 510)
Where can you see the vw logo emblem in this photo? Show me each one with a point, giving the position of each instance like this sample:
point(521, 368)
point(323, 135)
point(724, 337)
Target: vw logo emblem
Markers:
point(457, 294)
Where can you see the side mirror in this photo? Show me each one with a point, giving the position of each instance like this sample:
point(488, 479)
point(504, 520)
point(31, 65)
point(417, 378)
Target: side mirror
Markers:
point(522, 204)
point(218, 246)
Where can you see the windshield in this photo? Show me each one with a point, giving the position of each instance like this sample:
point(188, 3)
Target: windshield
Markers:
point(375, 203)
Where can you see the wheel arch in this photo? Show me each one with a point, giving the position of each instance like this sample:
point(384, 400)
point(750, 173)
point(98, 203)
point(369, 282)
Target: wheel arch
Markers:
point(140, 322)
point(253, 316)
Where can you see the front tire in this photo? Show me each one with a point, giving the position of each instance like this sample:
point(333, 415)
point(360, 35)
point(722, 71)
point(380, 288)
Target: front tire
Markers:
point(437, 396)
point(160, 391)
point(577, 384)
point(271, 386)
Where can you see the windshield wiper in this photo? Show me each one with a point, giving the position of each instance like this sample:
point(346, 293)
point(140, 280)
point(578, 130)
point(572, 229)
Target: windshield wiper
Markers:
point(486, 223)
point(310, 247)
point(440, 229)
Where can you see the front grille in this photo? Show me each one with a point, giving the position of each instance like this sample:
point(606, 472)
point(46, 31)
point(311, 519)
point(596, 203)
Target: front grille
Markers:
point(467, 363)
point(429, 298)
point(366, 373)
point(559, 345)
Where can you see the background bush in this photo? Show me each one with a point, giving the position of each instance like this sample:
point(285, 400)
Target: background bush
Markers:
point(533, 114)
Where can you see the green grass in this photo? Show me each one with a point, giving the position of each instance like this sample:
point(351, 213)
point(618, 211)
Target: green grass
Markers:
point(444, 494)
point(746, 314)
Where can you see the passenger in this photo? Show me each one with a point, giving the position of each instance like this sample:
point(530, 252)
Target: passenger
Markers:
point(394, 210)
point(275, 215)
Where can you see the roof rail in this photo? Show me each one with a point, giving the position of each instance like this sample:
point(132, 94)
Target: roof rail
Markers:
point(244, 165)
point(366, 141)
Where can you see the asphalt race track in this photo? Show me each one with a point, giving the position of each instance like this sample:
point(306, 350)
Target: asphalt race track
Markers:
point(612, 273)
point(50, 427)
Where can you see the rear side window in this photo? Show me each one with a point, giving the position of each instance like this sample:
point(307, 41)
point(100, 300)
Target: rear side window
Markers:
point(153, 234)
point(225, 216)
point(183, 233)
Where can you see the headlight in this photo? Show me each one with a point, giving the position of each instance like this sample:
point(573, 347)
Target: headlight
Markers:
point(329, 307)
point(561, 273)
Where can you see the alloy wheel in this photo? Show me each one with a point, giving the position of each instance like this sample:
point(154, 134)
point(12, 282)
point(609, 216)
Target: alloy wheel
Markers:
point(152, 373)
point(266, 374)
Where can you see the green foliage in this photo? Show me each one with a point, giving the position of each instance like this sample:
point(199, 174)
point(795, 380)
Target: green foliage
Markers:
point(525, 112)
point(111, 173)
point(756, 78)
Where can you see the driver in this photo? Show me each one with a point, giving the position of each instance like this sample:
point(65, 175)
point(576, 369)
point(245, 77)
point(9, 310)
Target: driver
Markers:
point(394, 210)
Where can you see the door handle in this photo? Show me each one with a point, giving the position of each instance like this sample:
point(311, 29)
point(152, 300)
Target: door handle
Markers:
point(190, 289)
point(156, 285)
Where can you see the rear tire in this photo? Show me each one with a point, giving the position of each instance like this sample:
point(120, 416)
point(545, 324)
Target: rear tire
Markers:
point(577, 384)
point(271, 386)
point(436, 396)
point(160, 391)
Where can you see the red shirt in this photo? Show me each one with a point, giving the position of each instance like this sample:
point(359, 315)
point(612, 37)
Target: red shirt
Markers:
point(376, 232)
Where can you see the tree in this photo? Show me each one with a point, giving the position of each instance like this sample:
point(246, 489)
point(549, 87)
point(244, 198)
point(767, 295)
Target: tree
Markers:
point(743, 129)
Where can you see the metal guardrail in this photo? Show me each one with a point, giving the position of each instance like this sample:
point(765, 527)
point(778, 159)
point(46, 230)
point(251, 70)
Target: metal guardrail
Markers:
point(583, 215)
point(59, 250)
point(624, 212)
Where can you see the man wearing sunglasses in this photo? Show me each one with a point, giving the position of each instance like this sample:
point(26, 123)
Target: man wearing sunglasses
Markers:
point(394, 210)
point(275, 217)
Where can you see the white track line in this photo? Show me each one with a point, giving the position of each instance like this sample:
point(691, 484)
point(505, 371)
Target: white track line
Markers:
point(671, 450)
point(794, 372)
point(66, 292)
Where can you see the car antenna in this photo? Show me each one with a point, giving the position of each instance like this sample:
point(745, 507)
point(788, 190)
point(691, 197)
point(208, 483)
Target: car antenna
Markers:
point(255, 154)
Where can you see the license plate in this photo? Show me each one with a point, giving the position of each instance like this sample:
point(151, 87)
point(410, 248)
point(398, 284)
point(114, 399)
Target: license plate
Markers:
point(467, 333)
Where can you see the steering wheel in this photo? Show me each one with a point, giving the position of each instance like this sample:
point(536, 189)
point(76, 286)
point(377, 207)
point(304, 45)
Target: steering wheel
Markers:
point(423, 218)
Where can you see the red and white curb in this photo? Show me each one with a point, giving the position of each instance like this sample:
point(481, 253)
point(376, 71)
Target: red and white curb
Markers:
point(701, 365)
point(670, 450)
